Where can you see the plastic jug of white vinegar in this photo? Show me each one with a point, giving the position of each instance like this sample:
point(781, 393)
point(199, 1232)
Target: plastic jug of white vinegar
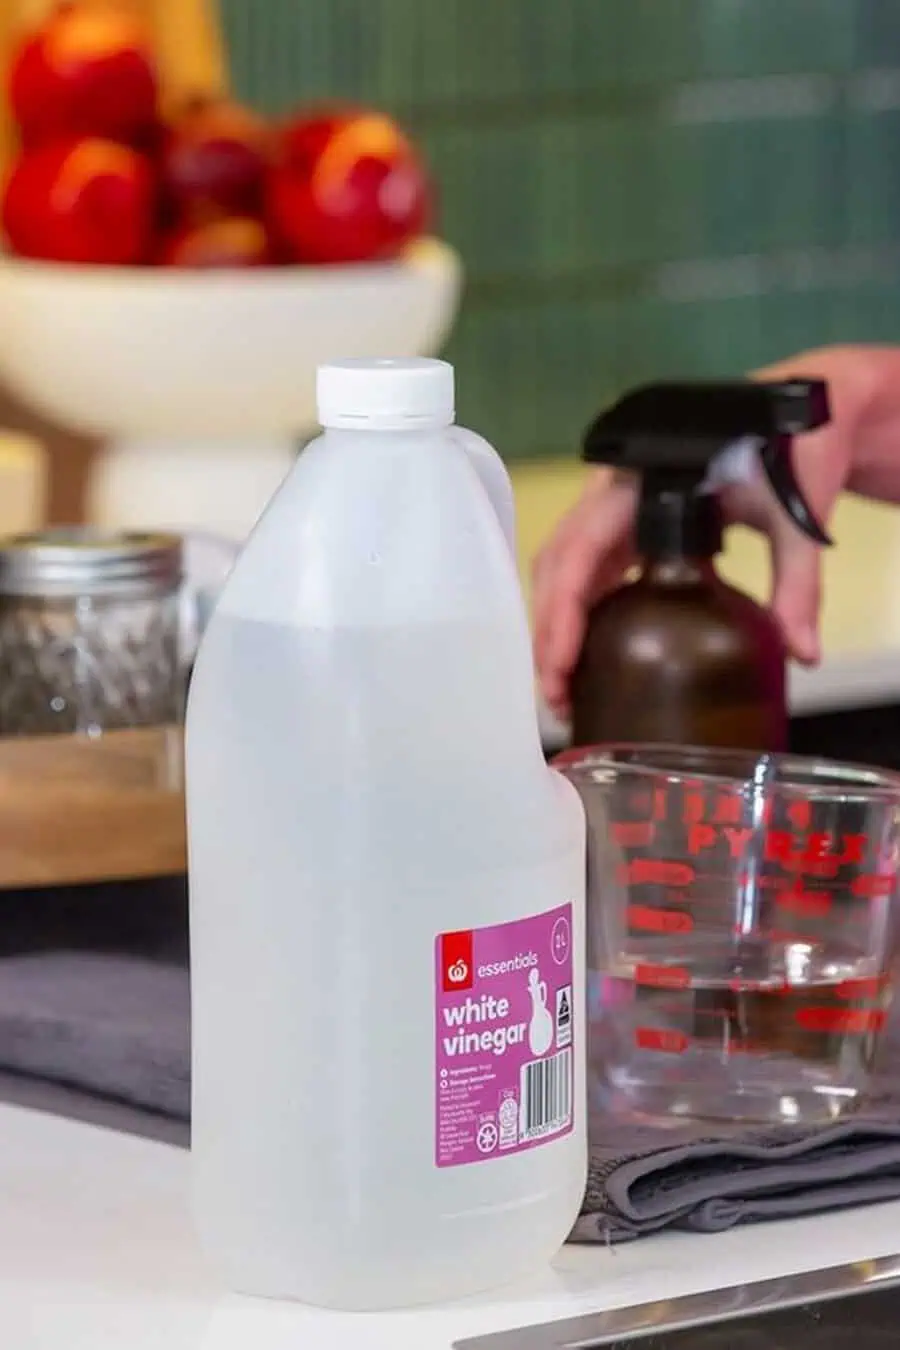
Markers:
point(387, 882)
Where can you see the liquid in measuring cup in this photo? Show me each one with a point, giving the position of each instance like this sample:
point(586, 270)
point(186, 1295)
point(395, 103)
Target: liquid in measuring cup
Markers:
point(759, 1031)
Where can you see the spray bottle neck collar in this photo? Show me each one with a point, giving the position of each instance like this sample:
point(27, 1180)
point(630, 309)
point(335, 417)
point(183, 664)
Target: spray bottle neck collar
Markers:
point(678, 522)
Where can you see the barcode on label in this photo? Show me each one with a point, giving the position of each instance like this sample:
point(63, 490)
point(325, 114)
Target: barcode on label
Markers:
point(545, 1095)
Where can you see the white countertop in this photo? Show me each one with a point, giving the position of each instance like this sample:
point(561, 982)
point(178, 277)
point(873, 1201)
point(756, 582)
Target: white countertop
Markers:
point(97, 1253)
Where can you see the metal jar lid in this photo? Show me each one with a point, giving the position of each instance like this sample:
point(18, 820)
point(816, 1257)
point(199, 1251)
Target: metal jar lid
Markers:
point(75, 560)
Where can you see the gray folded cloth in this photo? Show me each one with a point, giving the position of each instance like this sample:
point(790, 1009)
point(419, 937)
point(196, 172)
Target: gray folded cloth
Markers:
point(118, 1026)
point(707, 1183)
point(708, 1177)
point(109, 1023)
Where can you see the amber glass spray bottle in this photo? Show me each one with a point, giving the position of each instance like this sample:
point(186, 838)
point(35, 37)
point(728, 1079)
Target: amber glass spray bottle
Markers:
point(678, 655)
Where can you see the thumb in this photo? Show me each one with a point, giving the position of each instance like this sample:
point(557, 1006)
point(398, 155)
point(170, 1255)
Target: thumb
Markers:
point(797, 591)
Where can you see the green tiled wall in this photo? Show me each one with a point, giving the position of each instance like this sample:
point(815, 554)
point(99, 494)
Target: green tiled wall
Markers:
point(638, 187)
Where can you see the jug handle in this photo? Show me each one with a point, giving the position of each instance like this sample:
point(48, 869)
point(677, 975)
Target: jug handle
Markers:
point(494, 479)
point(208, 558)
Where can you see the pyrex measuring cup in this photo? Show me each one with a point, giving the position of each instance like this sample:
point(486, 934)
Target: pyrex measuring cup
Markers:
point(742, 929)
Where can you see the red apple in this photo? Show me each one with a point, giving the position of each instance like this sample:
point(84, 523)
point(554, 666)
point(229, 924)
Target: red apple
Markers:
point(87, 71)
point(87, 201)
point(214, 160)
point(347, 186)
point(230, 241)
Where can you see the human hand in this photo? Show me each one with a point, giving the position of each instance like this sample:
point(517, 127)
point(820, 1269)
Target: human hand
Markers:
point(593, 545)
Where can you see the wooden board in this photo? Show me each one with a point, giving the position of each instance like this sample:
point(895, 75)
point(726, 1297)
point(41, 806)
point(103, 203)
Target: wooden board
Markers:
point(75, 810)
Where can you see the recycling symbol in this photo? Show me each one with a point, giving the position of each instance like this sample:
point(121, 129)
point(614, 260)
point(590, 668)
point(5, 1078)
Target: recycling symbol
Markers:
point(487, 1137)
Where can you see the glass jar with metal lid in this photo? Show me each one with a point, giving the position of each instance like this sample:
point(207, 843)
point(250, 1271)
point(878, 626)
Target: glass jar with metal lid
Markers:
point(90, 629)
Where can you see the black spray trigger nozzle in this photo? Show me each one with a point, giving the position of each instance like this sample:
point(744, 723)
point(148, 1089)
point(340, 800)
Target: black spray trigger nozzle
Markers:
point(688, 438)
point(777, 466)
point(798, 406)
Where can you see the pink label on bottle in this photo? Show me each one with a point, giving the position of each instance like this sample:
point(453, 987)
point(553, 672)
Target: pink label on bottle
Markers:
point(503, 1038)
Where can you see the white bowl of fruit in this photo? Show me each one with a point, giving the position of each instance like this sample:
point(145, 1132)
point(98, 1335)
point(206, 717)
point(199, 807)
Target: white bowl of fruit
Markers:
point(170, 283)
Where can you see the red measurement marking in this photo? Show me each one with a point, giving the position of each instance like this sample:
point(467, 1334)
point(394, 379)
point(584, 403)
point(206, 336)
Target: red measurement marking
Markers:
point(655, 1038)
point(809, 904)
point(700, 838)
point(799, 813)
point(662, 977)
point(728, 809)
point(871, 886)
point(795, 854)
point(647, 920)
point(633, 834)
point(783, 935)
point(714, 881)
point(659, 872)
point(846, 1021)
point(862, 988)
point(692, 808)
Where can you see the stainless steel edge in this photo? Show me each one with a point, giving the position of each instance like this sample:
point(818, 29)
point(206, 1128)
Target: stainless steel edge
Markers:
point(690, 1310)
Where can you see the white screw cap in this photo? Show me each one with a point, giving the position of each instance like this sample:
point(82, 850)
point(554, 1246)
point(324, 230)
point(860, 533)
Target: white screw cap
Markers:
point(385, 395)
